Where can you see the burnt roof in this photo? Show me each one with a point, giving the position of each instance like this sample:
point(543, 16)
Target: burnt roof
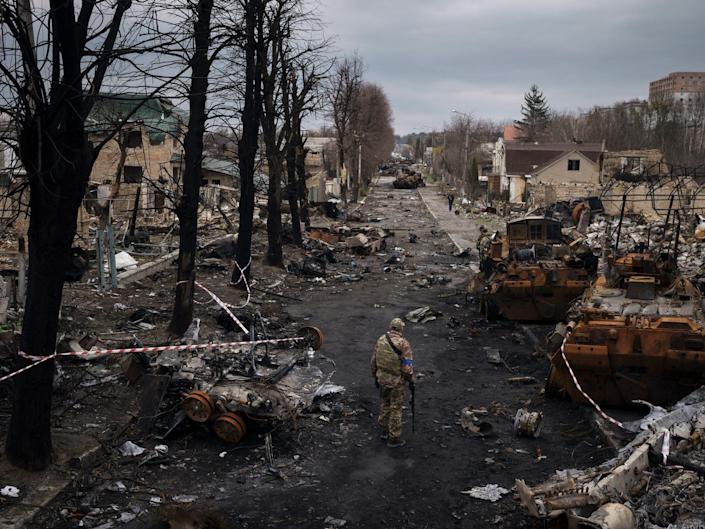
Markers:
point(526, 158)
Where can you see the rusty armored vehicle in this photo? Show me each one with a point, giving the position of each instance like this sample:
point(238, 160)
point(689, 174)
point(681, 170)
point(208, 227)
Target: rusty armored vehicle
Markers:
point(533, 273)
point(638, 333)
point(408, 179)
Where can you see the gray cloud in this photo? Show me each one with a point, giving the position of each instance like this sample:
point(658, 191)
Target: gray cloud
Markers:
point(482, 55)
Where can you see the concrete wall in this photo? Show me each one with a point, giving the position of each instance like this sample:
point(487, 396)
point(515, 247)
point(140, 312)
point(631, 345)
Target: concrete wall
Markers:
point(653, 205)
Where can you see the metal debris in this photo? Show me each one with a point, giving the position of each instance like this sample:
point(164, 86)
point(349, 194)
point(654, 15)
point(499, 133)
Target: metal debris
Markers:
point(491, 492)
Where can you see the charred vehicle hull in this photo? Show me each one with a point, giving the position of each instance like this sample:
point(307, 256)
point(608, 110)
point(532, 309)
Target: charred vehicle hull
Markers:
point(532, 274)
point(617, 362)
point(641, 339)
point(534, 292)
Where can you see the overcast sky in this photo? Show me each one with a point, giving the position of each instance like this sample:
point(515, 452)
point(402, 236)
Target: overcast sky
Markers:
point(480, 56)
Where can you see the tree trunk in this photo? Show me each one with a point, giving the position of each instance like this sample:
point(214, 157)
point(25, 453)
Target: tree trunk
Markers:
point(247, 144)
point(343, 180)
point(301, 184)
point(355, 195)
point(275, 255)
point(292, 190)
point(187, 209)
point(55, 197)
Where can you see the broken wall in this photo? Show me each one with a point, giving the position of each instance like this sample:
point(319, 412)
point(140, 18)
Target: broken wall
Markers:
point(653, 204)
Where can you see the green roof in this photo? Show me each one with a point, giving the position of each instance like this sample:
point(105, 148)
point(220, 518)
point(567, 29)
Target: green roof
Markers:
point(228, 167)
point(159, 115)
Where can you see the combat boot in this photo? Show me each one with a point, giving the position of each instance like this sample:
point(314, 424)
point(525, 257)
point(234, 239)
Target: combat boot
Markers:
point(395, 442)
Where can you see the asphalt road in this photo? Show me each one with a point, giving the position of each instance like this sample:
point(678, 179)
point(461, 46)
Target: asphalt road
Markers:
point(331, 468)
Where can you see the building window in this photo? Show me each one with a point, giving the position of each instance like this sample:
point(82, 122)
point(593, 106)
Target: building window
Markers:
point(215, 182)
point(204, 182)
point(4, 179)
point(535, 232)
point(132, 174)
point(574, 165)
point(132, 138)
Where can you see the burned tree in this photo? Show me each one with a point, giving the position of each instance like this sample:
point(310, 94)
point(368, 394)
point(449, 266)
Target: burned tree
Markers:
point(187, 205)
point(52, 74)
point(253, 27)
point(300, 98)
point(273, 132)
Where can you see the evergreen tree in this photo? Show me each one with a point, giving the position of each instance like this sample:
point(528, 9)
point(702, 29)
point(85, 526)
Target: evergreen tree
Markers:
point(535, 115)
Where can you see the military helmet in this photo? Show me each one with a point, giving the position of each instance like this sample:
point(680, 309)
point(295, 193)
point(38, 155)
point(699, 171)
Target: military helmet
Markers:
point(396, 325)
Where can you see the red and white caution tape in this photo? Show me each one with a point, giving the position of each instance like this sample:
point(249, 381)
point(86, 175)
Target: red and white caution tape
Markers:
point(224, 306)
point(666, 445)
point(26, 368)
point(98, 353)
point(582, 392)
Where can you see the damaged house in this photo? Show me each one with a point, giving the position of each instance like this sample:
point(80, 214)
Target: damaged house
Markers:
point(141, 156)
point(543, 173)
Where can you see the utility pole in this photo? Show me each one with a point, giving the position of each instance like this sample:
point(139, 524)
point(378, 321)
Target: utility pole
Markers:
point(359, 164)
point(466, 122)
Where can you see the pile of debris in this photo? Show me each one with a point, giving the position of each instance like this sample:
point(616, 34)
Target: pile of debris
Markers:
point(636, 233)
point(657, 481)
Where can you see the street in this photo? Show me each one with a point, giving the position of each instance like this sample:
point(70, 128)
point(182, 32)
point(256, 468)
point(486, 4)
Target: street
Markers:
point(333, 465)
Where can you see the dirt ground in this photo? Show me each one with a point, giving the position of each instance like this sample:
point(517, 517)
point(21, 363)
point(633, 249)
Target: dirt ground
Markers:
point(331, 469)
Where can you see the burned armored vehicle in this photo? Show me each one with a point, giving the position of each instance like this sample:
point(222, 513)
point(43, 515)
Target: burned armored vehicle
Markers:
point(533, 273)
point(234, 388)
point(638, 333)
point(408, 179)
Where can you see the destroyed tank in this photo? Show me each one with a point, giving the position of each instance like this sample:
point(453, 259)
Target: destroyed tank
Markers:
point(638, 333)
point(533, 273)
point(276, 386)
point(408, 179)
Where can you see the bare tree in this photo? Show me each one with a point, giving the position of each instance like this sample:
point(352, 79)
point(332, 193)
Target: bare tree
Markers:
point(253, 29)
point(187, 206)
point(372, 133)
point(54, 66)
point(300, 98)
point(343, 91)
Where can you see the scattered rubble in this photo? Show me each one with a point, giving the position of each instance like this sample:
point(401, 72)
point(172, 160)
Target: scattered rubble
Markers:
point(657, 480)
point(422, 315)
point(491, 492)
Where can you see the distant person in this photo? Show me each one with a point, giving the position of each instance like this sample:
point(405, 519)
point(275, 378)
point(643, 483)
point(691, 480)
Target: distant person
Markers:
point(392, 366)
point(451, 199)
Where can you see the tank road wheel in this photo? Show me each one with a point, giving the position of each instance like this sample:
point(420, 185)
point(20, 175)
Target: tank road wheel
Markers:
point(313, 336)
point(198, 406)
point(230, 427)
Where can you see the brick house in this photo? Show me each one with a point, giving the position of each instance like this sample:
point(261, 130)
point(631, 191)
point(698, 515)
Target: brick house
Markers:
point(151, 136)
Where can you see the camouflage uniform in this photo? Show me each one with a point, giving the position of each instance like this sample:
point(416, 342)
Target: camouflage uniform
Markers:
point(391, 372)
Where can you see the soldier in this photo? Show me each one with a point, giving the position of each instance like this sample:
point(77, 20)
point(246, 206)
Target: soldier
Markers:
point(392, 366)
point(484, 245)
point(451, 199)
